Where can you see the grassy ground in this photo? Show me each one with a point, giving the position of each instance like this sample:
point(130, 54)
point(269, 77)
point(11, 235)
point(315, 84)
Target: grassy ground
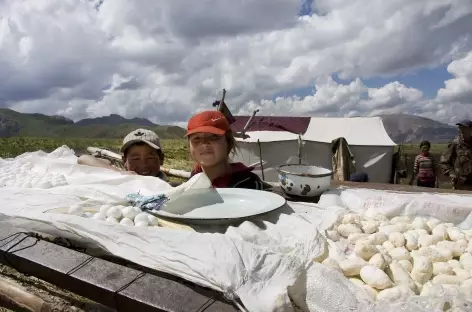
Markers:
point(411, 150)
point(176, 154)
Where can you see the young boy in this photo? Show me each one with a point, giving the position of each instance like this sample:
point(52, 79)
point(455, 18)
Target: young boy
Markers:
point(142, 155)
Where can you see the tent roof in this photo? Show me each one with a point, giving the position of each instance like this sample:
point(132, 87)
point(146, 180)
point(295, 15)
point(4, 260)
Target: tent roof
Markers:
point(271, 123)
point(367, 131)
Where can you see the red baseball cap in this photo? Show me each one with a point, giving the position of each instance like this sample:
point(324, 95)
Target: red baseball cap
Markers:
point(208, 122)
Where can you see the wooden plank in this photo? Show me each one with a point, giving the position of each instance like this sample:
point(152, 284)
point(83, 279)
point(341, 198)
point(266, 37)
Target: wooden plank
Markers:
point(14, 297)
point(104, 282)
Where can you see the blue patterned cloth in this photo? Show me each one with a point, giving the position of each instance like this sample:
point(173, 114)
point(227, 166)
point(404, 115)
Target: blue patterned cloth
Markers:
point(153, 202)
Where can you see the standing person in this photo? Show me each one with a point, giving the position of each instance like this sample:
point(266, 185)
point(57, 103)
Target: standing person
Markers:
point(141, 153)
point(211, 142)
point(425, 167)
point(456, 161)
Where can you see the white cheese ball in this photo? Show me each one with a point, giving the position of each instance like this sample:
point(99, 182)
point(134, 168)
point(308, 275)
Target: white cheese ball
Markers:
point(76, 210)
point(141, 224)
point(447, 279)
point(378, 238)
point(411, 241)
point(370, 226)
point(397, 239)
point(44, 185)
point(99, 216)
point(455, 234)
point(406, 265)
point(152, 220)
point(333, 235)
point(127, 222)
point(397, 227)
point(379, 217)
point(114, 212)
point(141, 217)
point(466, 261)
point(455, 264)
point(432, 223)
point(88, 214)
point(104, 209)
point(346, 229)
point(356, 281)
point(440, 231)
point(351, 218)
point(395, 294)
point(462, 273)
point(375, 277)
point(446, 254)
point(26, 185)
point(365, 250)
point(355, 237)
point(420, 224)
point(111, 220)
point(352, 266)
point(411, 254)
point(442, 268)
point(130, 212)
point(400, 276)
point(378, 261)
point(333, 264)
point(399, 253)
point(425, 240)
point(400, 219)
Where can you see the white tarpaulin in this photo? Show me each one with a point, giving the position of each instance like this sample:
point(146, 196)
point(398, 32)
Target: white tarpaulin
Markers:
point(265, 268)
point(257, 267)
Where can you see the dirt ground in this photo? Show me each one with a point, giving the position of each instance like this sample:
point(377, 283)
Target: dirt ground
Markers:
point(60, 300)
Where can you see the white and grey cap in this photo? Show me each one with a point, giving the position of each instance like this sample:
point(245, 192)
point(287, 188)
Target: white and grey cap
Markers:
point(141, 136)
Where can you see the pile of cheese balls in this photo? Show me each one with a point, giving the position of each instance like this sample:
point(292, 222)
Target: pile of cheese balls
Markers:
point(125, 215)
point(19, 174)
point(393, 259)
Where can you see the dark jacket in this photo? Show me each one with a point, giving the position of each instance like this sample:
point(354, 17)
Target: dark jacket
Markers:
point(456, 161)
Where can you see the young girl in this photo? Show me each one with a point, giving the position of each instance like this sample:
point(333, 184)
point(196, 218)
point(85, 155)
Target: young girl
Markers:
point(211, 142)
point(425, 167)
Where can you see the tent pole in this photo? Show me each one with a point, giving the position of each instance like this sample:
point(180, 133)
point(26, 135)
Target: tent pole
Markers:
point(260, 159)
point(299, 149)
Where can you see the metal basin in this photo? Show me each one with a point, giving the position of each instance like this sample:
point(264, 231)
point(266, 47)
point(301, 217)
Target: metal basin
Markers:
point(304, 180)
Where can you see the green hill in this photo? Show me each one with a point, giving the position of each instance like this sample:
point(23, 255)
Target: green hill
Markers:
point(13, 123)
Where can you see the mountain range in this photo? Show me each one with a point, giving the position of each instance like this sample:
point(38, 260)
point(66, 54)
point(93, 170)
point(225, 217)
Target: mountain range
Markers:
point(402, 128)
point(13, 123)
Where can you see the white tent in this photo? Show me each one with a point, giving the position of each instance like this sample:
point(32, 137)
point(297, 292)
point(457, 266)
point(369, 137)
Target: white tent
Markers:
point(369, 142)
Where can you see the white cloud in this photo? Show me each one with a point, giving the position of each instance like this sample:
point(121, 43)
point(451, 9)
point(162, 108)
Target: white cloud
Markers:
point(165, 59)
point(459, 88)
point(334, 99)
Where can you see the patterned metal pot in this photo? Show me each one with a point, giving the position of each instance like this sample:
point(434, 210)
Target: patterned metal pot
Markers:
point(304, 180)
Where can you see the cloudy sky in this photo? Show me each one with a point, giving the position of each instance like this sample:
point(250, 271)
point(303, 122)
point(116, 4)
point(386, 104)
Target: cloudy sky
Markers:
point(165, 59)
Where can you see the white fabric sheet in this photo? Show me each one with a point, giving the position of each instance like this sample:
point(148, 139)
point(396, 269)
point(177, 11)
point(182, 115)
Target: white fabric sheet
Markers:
point(264, 266)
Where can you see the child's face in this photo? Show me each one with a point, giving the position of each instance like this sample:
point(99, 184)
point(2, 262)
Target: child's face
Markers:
point(143, 160)
point(208, 149)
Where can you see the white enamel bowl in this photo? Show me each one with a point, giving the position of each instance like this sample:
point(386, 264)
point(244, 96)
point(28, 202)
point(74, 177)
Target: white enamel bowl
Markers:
point(304, 180)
